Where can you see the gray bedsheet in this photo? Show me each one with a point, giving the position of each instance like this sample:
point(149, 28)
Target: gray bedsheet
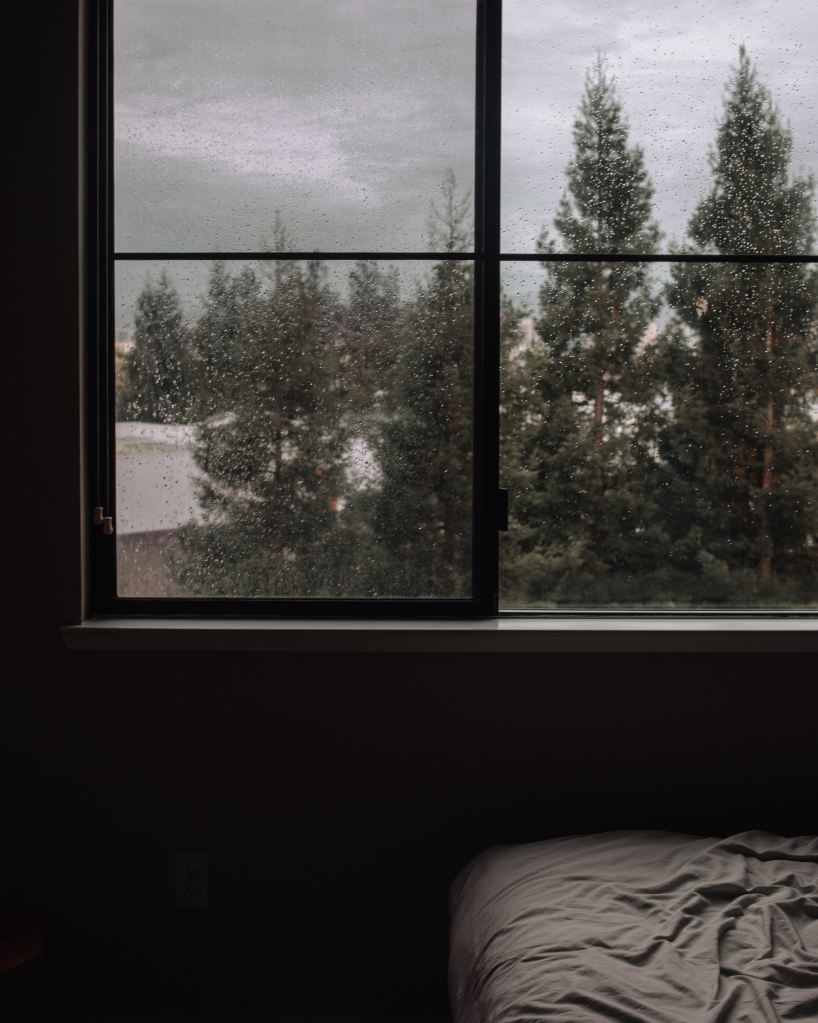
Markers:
point(647, 927)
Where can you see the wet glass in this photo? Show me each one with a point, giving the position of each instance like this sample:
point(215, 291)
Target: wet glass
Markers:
point(659, 436)
point(670, 65)
point(294, 429)
point(296, 125)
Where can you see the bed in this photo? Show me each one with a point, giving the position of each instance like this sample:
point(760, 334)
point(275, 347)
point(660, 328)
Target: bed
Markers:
point(638, 927)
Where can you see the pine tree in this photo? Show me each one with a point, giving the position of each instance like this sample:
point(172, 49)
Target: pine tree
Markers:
point(273, 479)
point(157, 372)
point(743, 372)
point(370, 338)
point(423, 512)
point(370, 345)
point(219, 338)
point(582, 522)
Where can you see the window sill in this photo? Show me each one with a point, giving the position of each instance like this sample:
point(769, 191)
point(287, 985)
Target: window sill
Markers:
point(514, 634)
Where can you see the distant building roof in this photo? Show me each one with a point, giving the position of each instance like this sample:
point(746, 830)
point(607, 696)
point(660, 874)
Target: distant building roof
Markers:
point(155, 477)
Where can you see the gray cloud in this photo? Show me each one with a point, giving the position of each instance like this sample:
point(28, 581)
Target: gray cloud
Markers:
point(671, 62)
point(344, 114)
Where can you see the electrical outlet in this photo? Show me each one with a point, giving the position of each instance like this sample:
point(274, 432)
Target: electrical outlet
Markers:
point(190, 884)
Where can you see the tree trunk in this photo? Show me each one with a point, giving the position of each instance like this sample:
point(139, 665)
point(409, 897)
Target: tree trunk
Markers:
point(278, 440)
point(599, 412)
point(767, 485)
point(768, 469)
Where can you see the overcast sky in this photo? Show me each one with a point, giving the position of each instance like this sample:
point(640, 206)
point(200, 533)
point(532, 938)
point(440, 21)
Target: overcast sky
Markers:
point(345, 114)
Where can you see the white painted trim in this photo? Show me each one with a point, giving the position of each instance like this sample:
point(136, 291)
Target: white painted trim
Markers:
point(560, 633)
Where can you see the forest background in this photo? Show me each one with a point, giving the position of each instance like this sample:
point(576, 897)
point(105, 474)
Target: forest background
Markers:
point(659, 431)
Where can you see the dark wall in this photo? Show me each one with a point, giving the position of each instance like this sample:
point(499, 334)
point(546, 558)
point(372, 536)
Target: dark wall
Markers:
point(336, 796)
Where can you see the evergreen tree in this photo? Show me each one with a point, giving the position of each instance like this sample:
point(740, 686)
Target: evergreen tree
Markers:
point(371, 336)
point(583, 470)
point(422, 513)
point(743, 372)
point(371, 343)
point(273, 477)
point(220, 337)
point(157, 372)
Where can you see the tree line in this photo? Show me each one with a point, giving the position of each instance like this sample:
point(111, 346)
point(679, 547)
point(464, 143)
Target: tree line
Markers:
point(334, 421)
point(659, 440)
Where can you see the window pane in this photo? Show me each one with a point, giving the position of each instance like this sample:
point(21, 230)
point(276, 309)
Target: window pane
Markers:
point(660, 435)
point(342, 118)
point(586, 83)
point(294, 429)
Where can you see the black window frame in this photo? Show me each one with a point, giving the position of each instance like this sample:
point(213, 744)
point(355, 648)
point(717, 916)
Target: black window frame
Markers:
point(489, 507)
point(485, 258)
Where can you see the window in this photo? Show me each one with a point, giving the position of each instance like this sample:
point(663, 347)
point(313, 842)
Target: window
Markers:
point(329, 329)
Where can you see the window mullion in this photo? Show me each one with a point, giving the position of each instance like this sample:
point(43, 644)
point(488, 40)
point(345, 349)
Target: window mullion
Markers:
point(487, 296)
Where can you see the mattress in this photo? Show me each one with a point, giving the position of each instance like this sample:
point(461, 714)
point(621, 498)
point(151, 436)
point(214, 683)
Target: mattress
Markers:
point(638, 927)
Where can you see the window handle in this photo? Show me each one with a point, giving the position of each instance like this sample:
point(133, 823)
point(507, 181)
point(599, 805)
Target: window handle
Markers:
point(101, 519)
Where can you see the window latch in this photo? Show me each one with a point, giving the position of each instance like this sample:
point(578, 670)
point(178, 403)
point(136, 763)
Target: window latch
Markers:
point(502, 511)
point(101, 519)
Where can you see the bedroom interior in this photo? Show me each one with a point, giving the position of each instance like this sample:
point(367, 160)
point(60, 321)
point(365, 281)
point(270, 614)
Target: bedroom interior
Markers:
point(337, 796)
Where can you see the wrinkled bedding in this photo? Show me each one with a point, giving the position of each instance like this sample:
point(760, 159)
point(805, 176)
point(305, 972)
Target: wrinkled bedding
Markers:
point(638, 927)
